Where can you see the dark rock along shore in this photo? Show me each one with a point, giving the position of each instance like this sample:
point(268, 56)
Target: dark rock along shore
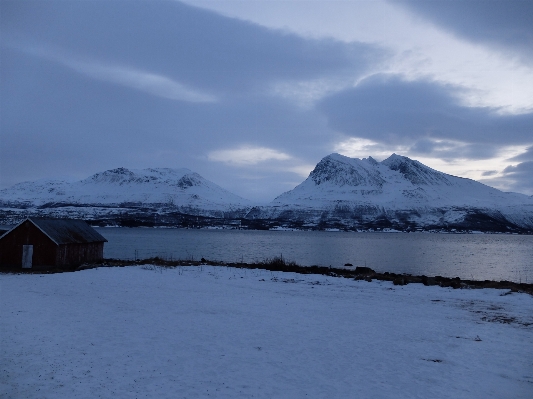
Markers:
point(280, 264)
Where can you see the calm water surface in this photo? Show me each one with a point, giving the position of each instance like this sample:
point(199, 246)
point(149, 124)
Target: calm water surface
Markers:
point(468, 256)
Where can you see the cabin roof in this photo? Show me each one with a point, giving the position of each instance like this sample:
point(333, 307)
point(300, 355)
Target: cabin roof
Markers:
point(65, 231)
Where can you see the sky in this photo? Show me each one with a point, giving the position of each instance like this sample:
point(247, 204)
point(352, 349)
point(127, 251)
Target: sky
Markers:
point(252, 94)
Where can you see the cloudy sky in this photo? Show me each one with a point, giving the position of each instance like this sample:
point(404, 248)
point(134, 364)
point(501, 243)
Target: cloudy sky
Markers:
point(252, 94)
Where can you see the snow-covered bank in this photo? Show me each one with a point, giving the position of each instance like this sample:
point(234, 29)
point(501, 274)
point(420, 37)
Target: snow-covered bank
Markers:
point(207, 331)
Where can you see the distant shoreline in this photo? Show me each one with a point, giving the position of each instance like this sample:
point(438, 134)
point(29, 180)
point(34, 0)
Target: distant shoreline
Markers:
point(326, 230)
point(6, 228)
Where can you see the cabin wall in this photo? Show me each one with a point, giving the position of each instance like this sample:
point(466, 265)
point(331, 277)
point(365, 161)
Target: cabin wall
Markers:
point(44, 249)
point(76, 254)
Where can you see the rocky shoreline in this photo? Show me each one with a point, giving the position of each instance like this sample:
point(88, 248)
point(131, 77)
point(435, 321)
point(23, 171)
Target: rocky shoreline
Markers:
point(280, 264)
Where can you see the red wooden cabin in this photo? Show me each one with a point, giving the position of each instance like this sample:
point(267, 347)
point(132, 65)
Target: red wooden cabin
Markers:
point(37, 243)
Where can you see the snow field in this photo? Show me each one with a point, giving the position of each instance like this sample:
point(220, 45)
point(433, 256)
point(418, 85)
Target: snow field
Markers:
point(196, 332)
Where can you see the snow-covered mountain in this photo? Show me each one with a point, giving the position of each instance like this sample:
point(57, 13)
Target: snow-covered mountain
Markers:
point(397, 193)
point(341, 192)
point(174, 190)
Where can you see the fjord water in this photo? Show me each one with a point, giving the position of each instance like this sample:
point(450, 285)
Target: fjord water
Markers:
point(468, 256)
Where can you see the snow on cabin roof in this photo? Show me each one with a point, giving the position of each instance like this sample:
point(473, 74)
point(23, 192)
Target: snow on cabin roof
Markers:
point(67, 231)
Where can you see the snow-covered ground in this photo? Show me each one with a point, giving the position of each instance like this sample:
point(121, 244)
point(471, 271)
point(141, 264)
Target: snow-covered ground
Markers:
point(196, 332)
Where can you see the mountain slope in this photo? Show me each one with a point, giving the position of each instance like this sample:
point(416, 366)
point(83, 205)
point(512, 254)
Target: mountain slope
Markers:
point(180, 187)
point(146, 191)
point(398, 193)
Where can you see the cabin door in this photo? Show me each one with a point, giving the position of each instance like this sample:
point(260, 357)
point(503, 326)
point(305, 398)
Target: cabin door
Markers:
point(27, 256)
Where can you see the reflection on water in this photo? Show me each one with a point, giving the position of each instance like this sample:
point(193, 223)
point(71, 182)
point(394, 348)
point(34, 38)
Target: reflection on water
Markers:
point(468, 256)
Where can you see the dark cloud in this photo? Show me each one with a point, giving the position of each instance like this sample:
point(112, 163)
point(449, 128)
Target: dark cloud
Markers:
point(490, 173)
point(60, 122)
point(517, 178)
point(65, 117)
point(526, 156)
point(69, 106)
point(520, 176)
point(452, 150)
point(60, 117)
point(389, 110)
point(505, 23)
point(194, 46)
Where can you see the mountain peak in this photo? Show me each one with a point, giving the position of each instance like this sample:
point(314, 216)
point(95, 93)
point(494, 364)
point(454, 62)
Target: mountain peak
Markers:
point(371, 160)
point(395, 160)
point(336, 157)
point(414, 171)
point(112, 176)
point(340, 170)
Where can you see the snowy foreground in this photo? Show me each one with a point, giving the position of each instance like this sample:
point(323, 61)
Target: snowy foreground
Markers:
point(196, 332)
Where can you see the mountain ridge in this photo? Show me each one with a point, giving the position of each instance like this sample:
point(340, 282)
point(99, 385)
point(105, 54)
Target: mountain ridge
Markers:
point(401, 193)
point(340, 193)
point(132, 196)
point(125, 185)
